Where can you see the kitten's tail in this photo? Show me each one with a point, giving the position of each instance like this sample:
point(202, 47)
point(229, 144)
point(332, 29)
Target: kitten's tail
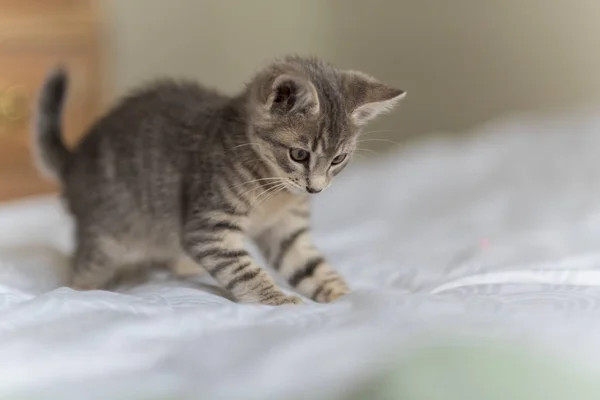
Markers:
point(50, 152)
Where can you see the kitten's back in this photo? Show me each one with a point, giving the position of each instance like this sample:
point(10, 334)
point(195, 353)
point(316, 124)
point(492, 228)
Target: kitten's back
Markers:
point(128, 166)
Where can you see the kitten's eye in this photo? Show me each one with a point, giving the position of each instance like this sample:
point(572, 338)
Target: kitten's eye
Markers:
point(338, 159)
point(299, 155)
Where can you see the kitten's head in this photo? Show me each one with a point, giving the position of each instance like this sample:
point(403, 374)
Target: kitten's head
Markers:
point(306, 117)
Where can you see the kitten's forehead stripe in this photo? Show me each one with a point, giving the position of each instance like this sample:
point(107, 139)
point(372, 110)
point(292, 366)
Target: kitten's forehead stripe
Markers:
point(315, 142)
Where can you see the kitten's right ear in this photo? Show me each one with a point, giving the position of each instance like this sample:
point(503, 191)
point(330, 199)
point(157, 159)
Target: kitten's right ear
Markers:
point(287, 93)
point(293, 94)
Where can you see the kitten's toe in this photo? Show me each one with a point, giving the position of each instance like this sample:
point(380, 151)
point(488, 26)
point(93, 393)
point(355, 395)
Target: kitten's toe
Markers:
point(293, 300)
point(282, 300)
point(336, 295)
point(331, 294)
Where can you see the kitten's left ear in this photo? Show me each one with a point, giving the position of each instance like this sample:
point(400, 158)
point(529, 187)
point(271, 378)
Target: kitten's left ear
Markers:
point(367, 97)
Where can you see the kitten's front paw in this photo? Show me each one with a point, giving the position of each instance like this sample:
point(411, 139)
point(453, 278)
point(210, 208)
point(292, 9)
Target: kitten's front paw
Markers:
point(331, 293)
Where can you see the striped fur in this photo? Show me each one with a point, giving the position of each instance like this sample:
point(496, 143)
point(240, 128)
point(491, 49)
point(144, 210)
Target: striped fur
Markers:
point(289, 249)
point(178, 172)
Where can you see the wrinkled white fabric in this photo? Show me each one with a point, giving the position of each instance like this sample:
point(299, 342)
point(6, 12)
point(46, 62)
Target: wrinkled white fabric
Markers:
point(496, 235)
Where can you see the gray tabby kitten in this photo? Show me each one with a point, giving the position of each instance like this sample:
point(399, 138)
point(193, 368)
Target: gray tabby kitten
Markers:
point(180, 171)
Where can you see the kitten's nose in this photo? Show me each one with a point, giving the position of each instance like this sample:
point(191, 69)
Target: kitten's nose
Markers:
point(313, 190)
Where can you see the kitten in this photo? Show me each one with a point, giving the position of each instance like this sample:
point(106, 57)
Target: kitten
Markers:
point(177, 170)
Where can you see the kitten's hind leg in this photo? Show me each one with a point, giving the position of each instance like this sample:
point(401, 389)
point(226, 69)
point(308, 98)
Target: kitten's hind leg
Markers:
point(133, 275)
point(93, 266)
point(185, 267)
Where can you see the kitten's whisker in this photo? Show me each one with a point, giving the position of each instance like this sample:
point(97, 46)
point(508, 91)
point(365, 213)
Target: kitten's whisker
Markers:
point(377, 140)
point(255, 180)
point(245, 144)
point(368, 151)
point(268, 185)
point(271, 195)
point(267, 193)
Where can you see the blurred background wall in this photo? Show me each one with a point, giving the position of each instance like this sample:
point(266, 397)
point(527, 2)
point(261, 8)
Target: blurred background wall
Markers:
point(463, 62)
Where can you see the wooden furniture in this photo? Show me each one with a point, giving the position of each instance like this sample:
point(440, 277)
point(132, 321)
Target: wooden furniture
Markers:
point(36, 35)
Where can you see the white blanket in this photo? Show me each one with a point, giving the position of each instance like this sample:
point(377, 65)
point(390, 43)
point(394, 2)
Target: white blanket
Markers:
point(496, 236)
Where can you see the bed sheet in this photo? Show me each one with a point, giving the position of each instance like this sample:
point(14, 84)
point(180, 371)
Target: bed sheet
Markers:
point(495, 236)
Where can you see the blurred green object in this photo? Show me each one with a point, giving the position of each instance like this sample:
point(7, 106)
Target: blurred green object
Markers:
point(490, 372)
